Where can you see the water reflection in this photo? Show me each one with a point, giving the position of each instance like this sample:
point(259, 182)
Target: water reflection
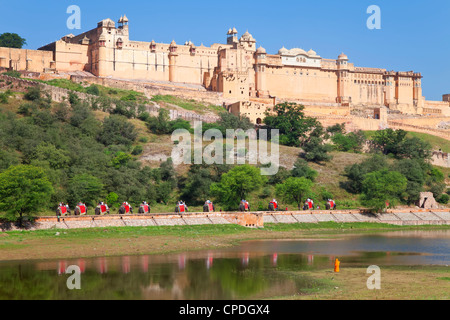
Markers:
point(254, 270)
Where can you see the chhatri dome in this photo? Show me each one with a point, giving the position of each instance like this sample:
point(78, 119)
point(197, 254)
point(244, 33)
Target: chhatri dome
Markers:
point(283, 50)
point(343, 56)
point(261, 50)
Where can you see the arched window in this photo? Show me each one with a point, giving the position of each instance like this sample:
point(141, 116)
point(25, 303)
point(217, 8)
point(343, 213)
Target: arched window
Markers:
point(119, 43)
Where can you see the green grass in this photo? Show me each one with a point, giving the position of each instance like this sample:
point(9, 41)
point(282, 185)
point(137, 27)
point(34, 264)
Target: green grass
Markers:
point(204, 230)
point(436, 142)
point(353, 226)
point(124, 232)
point(120, 94)
point(187, 104)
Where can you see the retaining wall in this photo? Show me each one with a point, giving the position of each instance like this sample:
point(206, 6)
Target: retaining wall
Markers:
point(250, 219)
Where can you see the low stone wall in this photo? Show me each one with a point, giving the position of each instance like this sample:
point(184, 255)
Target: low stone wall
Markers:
point(396, 217)
point(57, 94)
point(151, 88)
point(252, 220)
point(60, 94)
point(248, 219)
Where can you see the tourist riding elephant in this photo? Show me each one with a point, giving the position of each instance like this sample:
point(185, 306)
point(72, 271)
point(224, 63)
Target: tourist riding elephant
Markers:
point(80, 209)
point(244, 206)
point(273, 205)
point(144, 208)
point(101, 209)
point(330, 205)
point(126, 208)
point(62, 210)
point(181, 207)
point(208, 206)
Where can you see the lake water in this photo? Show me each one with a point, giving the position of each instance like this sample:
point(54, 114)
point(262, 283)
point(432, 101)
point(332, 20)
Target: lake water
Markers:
point(253, 270)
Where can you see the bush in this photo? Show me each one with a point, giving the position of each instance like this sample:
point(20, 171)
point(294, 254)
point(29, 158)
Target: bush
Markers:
point(137, 150)
point(117, 130)
point(13, 73)
point(3, 98)
point(93, 89)
point(33, 94)
point(143, 139)
point(144, 116)
point(130, 97)
point(443, 199)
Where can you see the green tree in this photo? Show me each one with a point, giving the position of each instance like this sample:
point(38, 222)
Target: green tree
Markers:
point(294, 189)
point(414, 148)
point(47, 152)
point(314, 147)
point(237, 184)
point(117, 130)
point(167, 172)
point(349, 142)
point(120, 159)
point(395, 142)
point(443, 199)
point(8, 158)
point(337, 129)
point(198, 184)
point(164, 192)
point(161, 123)
point(382, 187)
point(84, 187)
point(435, 180)
point(292, 123)
point(316, 151)
point(357, 172)
point(112, 200)
point(302, 169)
point(230, 121)
point(23, 190)
point(415, 174)
point(12, 40)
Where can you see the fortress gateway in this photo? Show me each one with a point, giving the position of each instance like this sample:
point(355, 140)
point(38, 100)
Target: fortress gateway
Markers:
point(238, 69)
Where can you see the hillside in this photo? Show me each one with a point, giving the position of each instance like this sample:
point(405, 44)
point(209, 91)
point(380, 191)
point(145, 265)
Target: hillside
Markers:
point(103, 154)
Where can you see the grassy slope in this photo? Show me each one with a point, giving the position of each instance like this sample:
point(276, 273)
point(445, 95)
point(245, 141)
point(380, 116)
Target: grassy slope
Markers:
point(187, 104)
point(436, 142)
point(163, 100)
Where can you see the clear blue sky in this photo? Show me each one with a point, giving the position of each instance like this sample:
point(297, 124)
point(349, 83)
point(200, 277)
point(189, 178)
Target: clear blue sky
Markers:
point(414, 35)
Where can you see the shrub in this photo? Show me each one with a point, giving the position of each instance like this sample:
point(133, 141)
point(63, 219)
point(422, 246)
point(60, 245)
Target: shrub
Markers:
point(137, 150)
point(33, 94)
point(443, 199)
point(93, 89)
point(3, 98)
point(13, 73)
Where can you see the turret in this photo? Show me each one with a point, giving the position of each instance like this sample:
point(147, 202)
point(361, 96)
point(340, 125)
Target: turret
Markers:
point(343, 83)
point(248, 42)
point(173, 61)
point(232, 36)
point(260, 70)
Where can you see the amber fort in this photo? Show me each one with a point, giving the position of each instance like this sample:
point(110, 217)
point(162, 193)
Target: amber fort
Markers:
point(242, 75)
